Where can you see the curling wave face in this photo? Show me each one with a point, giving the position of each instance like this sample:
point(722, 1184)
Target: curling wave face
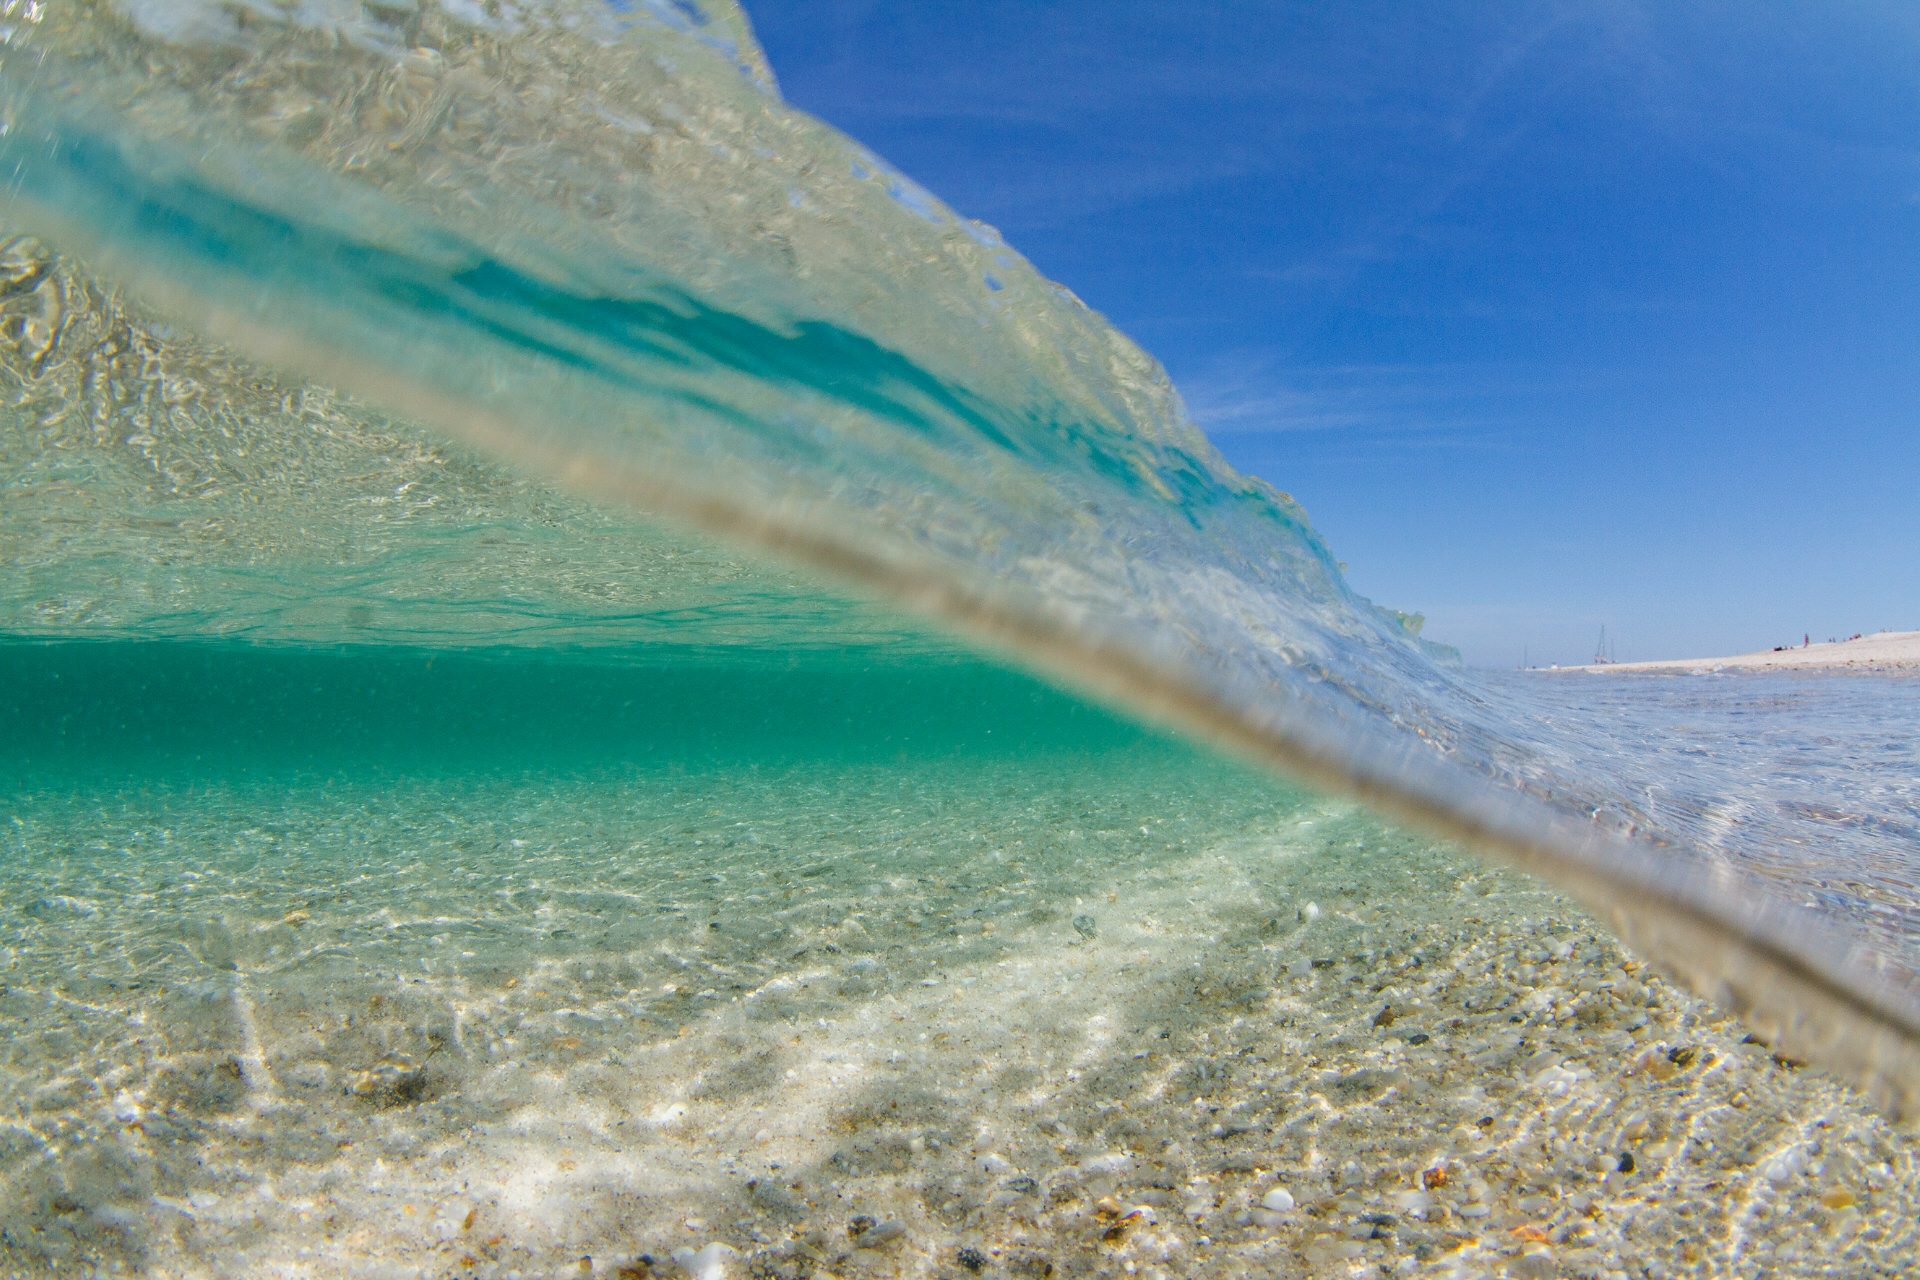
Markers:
point(505, 323)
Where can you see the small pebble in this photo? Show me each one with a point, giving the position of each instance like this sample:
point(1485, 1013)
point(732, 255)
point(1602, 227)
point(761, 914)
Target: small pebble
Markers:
point(882, 1234)
point(1413, 1203)
point(1785, 1166)
point(1278, 1200)
point(1534, 1266)
point(709, 1263)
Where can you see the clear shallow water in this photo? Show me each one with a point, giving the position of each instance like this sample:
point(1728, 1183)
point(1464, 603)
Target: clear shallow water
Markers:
point(1825, 765)
point(368, 961)
point(1800, 789)
point(477, 440)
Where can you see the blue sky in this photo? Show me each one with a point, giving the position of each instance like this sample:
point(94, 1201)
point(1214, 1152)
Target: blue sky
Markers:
point(1552, 315)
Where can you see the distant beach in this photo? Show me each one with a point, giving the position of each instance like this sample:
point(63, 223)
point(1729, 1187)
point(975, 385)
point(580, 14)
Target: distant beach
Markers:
point(1882, 653)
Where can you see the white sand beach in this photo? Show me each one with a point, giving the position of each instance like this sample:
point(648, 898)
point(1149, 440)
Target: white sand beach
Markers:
point(1882, 653)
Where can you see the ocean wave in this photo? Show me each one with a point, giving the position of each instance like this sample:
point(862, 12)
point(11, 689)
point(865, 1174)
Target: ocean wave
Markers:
point(455, 323)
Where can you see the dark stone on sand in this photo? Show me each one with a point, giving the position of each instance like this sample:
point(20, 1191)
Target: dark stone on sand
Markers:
point(1033, 1266)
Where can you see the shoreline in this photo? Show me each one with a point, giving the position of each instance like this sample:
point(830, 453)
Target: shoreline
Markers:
point(1882, 653)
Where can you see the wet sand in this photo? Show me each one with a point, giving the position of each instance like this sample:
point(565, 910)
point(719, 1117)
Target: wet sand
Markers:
point(1076, 1016)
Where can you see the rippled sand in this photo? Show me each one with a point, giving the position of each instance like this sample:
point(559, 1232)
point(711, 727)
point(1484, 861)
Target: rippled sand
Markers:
point(1081, 1014)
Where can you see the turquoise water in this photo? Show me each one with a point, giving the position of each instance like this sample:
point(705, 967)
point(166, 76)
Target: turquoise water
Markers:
point(572, 641)
point(220, 709)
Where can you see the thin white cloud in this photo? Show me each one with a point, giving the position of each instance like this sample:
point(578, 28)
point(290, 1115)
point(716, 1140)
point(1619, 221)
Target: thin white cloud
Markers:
point(1394, 406)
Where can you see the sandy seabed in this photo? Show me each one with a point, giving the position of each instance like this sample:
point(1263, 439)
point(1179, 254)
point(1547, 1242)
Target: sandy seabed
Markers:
point(1081, 1016)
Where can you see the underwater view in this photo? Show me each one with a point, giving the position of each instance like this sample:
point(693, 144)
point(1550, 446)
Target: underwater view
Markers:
point(594, 683)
